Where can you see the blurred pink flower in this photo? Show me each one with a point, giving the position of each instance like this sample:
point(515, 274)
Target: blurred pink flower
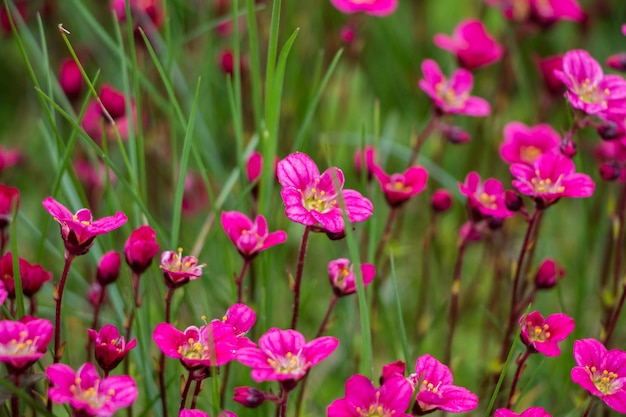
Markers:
point(5, 25)
point(543, 335)
point(9, 197)
point(432, 381)
point(523, 144)
point(142, 12)
point(32, 276)
point(284, 355)
point(195, 194)
point(472, 45)
point(95, 122)
point(441, 200)
point(617, 61)
point(108, 268)
point(361, 398)
point(342, 278)
point(589, 89)
point(365, 156)
point(70, 78)
point(254, 166)
point(529, 412)
point(378, 8)
point(451, 96)
point(3, 293)
point(110, 347)
point(140, 248)
point(601, 372)
point(399, 188)
point(179, 270)
point(249, 397)
point(79, 230)
point(542, 12)
point(551, 177)
point(87, 393)
point(547, 66)
point(313, 199)
point(8, 157)
point(23, 342)
point(250, 237)
point(486, 197)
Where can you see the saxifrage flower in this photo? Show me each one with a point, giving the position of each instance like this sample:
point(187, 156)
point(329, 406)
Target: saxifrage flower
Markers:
point(400, 187)
point(241, 318)
point(471, 44)
point(523, 144)
point(110, 347)
point(140, 248)
point(543, 335)
point(342, 278)
point(33, 276)
point(529, 412)
point(178, 269)
point(23, 342)
point(378, 8)
point(487, 197)
point(250, 237)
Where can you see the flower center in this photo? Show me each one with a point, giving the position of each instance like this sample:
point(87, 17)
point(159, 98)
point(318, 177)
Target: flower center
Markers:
point(547, 186)
point(20, 347)
point(194, 350)
point(91, 395)
point(288, 364)
point(528, 154)
point(429, 386)
point(449, 96)
point(589, 92)
point(319, 200)
point(486, 200)
point(374, 410)
point(606, 382)
point(538, 333)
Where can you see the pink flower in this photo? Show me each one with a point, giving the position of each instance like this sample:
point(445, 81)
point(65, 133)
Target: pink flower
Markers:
point(195, 194)
point(471, 44)
point(542, 12)
point(432, 381)
point(70, 78)
point(548, 274)
point(79, 230)
point(179, 270)
point(23, 342)
point(486, 197)
point(142, 11)
point(617, 61)
point(441, 200)
point(185, 412)
point(589, 89)
point(110, 348)
point(241, 318)
point(108, 268)
point(378, 8)
point(529, 412)
point(342, 278)
point(363, 399)
point(213, 344)
point(284, 355)
point(87, 393)
point(543, 335)
point(313, 199)
point(523, 144)
point(140, 248)
point(601, 372)
point(365, 156)
point(250, 237)
point(452, 96)
point(8, 157)
point(254, 166)
point(551, 177)
point(9, 197)
point(33, 276)
point(399, 188)
point(547, 66)
point(249, 397)
point(95, 122)
point(3, 293)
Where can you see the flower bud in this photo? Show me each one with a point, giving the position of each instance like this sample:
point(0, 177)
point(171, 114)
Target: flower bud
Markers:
point(512, 200)
point(441, 200)
point(70, 78)
point(110, 348)
point(610, 129)
point(347, 34)
point(249, 396)
point(617, 61)
point(391, 370)
point(547, 275)
point(140, 248)
point(455, 134)
point(568, 148)
point(470, 233)
point(495, 223)
point(108, 268)
point(94, 293)
point(610, 171)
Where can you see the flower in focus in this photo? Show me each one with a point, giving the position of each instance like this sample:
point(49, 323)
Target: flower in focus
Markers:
point(110, 348)
point(179, 270)
point(543, 335)
point(378, 8)
point(399, 188)
point(95, 121)
point(551, 177)
point(601, 372)
point(241, 318)
point(451, 96)
point(250, 237)
point(472, 45)
point(361, 398)
point(284, 355)
point(9, 196)
point(432, 381)
point(486, 197)
point(87, 393)
point(79, 230)
point(588, 88)
point(213, 344)
point(523, 144)
point(108, 268)
point(312, 199)
point(366, 157)
point(70, 78)
point(342, 278)
point(32, 276)
point(140, 248)
point(23, 342)
point(548, 274)
point(529, 412)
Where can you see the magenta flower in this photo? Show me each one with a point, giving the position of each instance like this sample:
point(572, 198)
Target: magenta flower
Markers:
point(601, 372)
point(471, 44)
point(213, 344)
point(250, 237)
point(551, 177)
point(543, 335)
point(108, 268)
point(548, 274)
point(523, 144)
point(249, 397)
point(9, 196)
point(87, 393)
point(313, 199)
point(486, 197)
point(179, 270)
point(342, 278)
point(284, 355)
point(399, 188)
point(8, 157)
point(363, 399)
point(3, 293)
point(367, 157)
point(378, 8)
point(110, 348)
point(254, 166)
point(547, 66)
point(441, 200)
point(79, 230)
point(140, 248)
point(241, 318)
point(588, 88)
point(33, 276)
point(23, 342)
point(70, 78)
point(432, 381)
point(452, 96)
point(185, 412)
point(542, 12)
point(95, 122)
point(529, 412)
point(142, 12)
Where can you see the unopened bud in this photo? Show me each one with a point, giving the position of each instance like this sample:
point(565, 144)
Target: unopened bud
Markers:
point(455, 134)
point(610, 171)
point(512, 200)
point(548, 274)
point(609, 130)
point(495, 223)
point(441, 200)
point(249, 396)
point(617, 61)
point(568, 148)
point(347, 34)
point(108, 268)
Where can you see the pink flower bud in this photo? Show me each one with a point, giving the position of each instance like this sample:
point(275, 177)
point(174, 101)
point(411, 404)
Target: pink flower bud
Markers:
point(548, 274)
point(347, 34)
point(455, 134)
point(110, 348)
point(568, 148)
point(140, 248)
point(392, 369)
point(249, 396)
point(610, 171)
point(617, 61)
point(441, 200)
point(108, 268)
point(70, 78)
point(512, 200)
point(611, 129)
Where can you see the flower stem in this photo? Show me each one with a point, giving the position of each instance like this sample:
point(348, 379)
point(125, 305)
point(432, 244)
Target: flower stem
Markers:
point(589, 407)
point(454, 297)
point(239, 280)
point(196, 392)
point(168, 305)
point(15, 400)
point(282, 405)
point(421, 138)
point(386, 233)
point(521, 364)
point(94, 323)
point(58, 297)
point(615, 316)
point(298, 279)
point(183, 396)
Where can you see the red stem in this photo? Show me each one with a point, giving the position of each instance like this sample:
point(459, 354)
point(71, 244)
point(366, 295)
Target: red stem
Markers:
point(298, 279)
point(454, 299)
point(57, 312)
point(421, 138)
point(239, 280)
point(518, 373)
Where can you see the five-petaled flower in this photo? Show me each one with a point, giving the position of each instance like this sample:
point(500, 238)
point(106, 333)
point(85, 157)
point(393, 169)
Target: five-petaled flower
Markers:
point(378, 8)
point(529, 412)
point(79, 230)
point(314, 200)
point(23, 342)
point(486, 197)
point(432, 381)
point(179, 270)
point(543, 335)
point(87, 393)
point(250, 237)
point(601, 372)
point(452, 96)
point(110, 347)
point(285, 355)
point(523, 144)
point(342, 278)
point(363, 399)
point(399, 188)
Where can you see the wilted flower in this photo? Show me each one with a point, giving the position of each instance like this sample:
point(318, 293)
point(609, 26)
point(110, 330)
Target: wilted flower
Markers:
point(23, 342)
point(543, 335)
point(250, 237)
point(342, 278)
point(140, 248)
point(110, 347)
point(472, 45)
point(378, 8)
